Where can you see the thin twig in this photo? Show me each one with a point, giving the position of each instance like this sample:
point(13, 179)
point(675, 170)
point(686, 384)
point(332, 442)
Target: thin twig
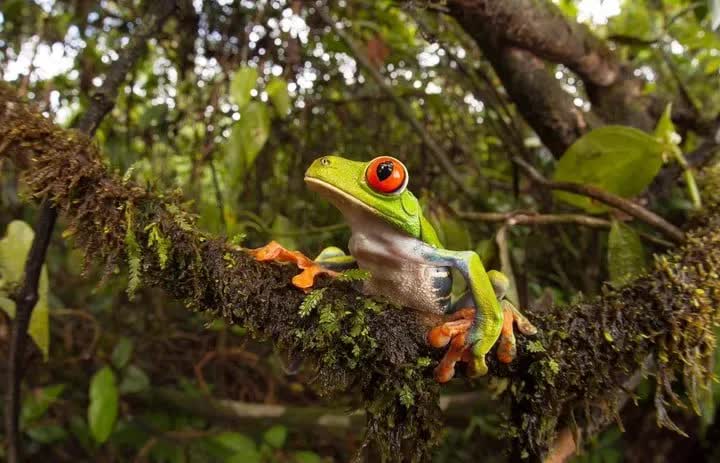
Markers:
point(628, 207)
point(532, 218)
point(26, 297)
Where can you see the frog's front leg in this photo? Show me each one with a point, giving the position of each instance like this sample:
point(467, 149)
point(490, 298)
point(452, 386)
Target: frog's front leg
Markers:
point(470, 332)
point(305, 280)
point(483, 323)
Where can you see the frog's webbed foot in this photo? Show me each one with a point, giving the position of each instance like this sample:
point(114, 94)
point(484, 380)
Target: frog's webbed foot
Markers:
point(507, 348)
point(453, 332)
point(305, 280)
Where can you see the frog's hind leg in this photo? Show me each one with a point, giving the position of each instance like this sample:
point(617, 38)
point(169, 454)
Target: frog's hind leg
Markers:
point(454, 331)
point(334, 258)
point(273, 251)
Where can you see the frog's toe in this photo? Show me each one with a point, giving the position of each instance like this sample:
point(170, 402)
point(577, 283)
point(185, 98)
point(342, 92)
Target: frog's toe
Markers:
point(453, 332)
point(273, 251)
point(445, 370)
point(507, 347)
point(440, 336)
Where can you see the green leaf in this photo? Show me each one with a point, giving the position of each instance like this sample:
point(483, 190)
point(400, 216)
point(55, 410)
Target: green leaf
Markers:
point(36, 404)
point(122, 352)
point(47, 434)
point(7, 305)
point(247, 138)
point(617, 159)
point(276, 436)
point(241, 447)
point(14, 248)
point(277, 90)
point(103, 409)
point(243, 81)
point(134, 380)
point(626, 254)
point(305, 456)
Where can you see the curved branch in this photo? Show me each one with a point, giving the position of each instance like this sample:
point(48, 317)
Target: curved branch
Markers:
point(582, 352)
point(622, 204)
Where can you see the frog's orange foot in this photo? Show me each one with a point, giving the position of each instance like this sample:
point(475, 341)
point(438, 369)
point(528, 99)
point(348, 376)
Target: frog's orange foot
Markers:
point(305, 280)
point(507, 349)
point(453, 332)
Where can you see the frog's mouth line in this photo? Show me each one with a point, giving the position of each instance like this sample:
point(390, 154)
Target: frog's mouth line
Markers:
point(336, 196)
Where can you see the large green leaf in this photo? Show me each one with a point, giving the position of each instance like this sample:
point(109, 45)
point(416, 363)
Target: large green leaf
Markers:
point(618, 159)
point(14, 248)
point(243, 81)
point(277, 90)
point(626, 254)
point(103, 409)
point(247, 138)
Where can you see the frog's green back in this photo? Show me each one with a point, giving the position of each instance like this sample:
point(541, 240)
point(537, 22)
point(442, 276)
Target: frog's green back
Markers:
point(428, 233)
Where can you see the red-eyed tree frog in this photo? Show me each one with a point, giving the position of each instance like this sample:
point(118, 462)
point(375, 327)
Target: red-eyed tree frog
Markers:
point(397, 245)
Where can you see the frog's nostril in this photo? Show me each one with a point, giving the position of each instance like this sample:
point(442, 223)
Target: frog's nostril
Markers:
point(325, 161)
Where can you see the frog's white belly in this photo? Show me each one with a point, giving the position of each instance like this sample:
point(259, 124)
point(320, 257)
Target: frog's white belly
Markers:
point(397, 269)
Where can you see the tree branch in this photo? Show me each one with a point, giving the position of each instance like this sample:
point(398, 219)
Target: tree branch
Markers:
point(582, 351)
point(622, 204)
point(27, 295)
point(541, 28)
point(515, 35)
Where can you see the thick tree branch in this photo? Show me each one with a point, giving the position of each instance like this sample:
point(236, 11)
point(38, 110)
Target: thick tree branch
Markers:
point(102, 101)
point(541, 28)
point(516, 35)
point(582, 352)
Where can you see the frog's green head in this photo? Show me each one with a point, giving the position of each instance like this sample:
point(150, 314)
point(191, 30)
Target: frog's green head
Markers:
point(378, 187)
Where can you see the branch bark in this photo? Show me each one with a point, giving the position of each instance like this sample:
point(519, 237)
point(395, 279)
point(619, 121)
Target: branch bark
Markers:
point(582, 351)
point(541, 28)
point(26, 297)
point(517, 35)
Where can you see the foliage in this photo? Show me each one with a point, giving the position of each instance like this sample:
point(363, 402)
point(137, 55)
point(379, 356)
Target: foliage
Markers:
point(621, 160)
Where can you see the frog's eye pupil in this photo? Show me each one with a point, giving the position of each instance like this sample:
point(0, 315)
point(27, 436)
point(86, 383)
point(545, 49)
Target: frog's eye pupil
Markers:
point(385, 170)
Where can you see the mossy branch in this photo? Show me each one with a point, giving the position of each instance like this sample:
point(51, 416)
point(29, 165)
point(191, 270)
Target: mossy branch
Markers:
point(582, 352)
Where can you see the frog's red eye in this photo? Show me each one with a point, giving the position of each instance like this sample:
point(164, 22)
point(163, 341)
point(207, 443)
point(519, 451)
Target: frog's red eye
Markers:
point(386, 175)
